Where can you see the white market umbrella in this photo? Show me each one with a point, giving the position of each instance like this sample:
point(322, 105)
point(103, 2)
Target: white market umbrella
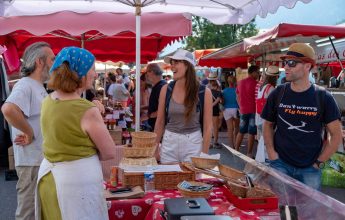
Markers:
point(216, 11)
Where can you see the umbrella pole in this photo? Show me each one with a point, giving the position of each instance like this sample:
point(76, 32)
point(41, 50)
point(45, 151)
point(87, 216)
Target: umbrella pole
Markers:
point(105, 81)
point(83, 46)
point(137, 65)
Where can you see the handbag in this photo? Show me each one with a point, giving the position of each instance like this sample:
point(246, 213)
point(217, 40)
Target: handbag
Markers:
point(261, 151)
point(260, 102)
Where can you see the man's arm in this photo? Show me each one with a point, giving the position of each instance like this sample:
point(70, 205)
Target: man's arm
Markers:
point(332, 143)
point(15, 117)
point(268, 133)
point(238, 99)
point(124, 90)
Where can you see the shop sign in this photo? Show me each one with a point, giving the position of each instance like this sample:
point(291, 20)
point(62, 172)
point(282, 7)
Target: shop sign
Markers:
point(326, 53)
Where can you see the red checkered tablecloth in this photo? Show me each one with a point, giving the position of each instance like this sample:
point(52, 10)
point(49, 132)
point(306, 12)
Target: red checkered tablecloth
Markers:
point(149, 207)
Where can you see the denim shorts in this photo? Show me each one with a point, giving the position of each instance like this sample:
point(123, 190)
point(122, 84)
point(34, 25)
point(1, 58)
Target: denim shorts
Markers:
point(310, 176)
point(247, 124)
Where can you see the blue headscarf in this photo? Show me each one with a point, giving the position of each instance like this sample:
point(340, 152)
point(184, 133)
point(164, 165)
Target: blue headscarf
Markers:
point(79, 60)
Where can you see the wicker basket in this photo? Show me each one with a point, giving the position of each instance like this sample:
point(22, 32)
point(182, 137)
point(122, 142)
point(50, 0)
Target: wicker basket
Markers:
point(163, 180)
point(194, 194)
point(230, 172)
point(143, 139)
point(237, 189)
point(259, 192)
point(139, 152)
point(138, 161)
point(204, 163)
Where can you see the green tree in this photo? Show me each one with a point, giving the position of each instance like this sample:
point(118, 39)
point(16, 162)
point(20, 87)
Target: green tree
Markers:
point(207, 35)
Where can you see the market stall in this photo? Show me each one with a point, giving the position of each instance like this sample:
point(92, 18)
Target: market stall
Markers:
point(231, 56)
point(109, 36)
point(149, 207)
point(309, 203)
point(268, 45)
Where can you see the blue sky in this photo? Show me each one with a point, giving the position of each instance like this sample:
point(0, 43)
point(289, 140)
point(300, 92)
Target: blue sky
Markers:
point(318, 12)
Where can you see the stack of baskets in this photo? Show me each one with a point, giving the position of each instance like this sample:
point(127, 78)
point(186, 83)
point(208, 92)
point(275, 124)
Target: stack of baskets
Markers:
point(142, 151)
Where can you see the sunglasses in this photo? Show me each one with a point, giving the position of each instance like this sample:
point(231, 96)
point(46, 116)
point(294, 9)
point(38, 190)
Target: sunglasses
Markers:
point(174, 62)
point(291, 63)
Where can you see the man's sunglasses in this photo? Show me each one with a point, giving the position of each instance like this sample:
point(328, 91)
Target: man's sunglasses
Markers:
point(291, 63)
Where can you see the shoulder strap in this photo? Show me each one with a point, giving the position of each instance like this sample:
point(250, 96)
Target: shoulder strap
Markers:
point(265, 91)
point(281, 91)
point(320, 101)
point(200, 105)
point(167, 100)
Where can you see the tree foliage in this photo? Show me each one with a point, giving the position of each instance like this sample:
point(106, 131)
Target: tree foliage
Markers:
point(208, 35)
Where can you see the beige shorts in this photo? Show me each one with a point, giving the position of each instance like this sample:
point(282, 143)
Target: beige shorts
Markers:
point(230, 113)
point(180, 147)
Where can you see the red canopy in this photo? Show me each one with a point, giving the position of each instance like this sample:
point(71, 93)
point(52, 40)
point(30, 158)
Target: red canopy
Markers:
point(284, 34)
point(200, 53)
point(108, 36)
point(231, 56)
point(275, 39)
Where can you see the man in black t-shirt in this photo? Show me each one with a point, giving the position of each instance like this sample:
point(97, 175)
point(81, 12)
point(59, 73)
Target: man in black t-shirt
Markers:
point(295, 147)
point(154, 77)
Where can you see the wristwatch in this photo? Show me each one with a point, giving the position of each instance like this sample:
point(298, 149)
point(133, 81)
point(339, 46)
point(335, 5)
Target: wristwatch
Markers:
point(320, 164)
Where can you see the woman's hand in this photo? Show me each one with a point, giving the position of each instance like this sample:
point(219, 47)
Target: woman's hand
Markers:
point(23, 139)
point(99, 105)
point(157, 153)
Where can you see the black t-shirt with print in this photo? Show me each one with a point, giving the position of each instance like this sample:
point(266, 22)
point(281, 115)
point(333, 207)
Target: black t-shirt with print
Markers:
point(153, 101)
point(298, 135)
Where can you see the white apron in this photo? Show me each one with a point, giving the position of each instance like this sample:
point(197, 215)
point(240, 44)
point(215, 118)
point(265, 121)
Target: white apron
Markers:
point(79, 189)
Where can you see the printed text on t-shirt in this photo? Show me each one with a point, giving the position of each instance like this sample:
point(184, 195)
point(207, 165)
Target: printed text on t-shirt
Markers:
point(299, 110)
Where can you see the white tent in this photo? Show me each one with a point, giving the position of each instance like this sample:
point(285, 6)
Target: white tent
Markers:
point(216, 11)
point(104, 67)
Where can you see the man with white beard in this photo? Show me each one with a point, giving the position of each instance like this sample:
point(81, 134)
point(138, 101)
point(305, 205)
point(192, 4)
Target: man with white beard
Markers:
point(22, 110)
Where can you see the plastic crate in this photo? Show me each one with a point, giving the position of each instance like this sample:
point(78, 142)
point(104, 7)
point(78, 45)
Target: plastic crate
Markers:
point(251, 203)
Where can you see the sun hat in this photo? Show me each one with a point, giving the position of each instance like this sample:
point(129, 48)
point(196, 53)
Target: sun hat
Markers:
point(181, 54)
point(272, 71)
point(300, 51)
point(212, 76)
point(79, 60)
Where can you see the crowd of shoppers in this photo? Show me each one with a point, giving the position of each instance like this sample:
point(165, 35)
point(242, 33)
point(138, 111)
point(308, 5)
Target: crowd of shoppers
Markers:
point(58, 152)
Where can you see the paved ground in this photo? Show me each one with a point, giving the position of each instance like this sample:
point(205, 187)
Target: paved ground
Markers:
point(8, 192)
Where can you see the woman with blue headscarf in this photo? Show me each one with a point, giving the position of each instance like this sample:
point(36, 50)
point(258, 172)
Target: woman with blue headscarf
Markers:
point(74, 140)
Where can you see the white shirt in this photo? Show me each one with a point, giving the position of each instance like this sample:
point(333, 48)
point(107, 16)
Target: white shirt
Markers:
point(28, 95)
